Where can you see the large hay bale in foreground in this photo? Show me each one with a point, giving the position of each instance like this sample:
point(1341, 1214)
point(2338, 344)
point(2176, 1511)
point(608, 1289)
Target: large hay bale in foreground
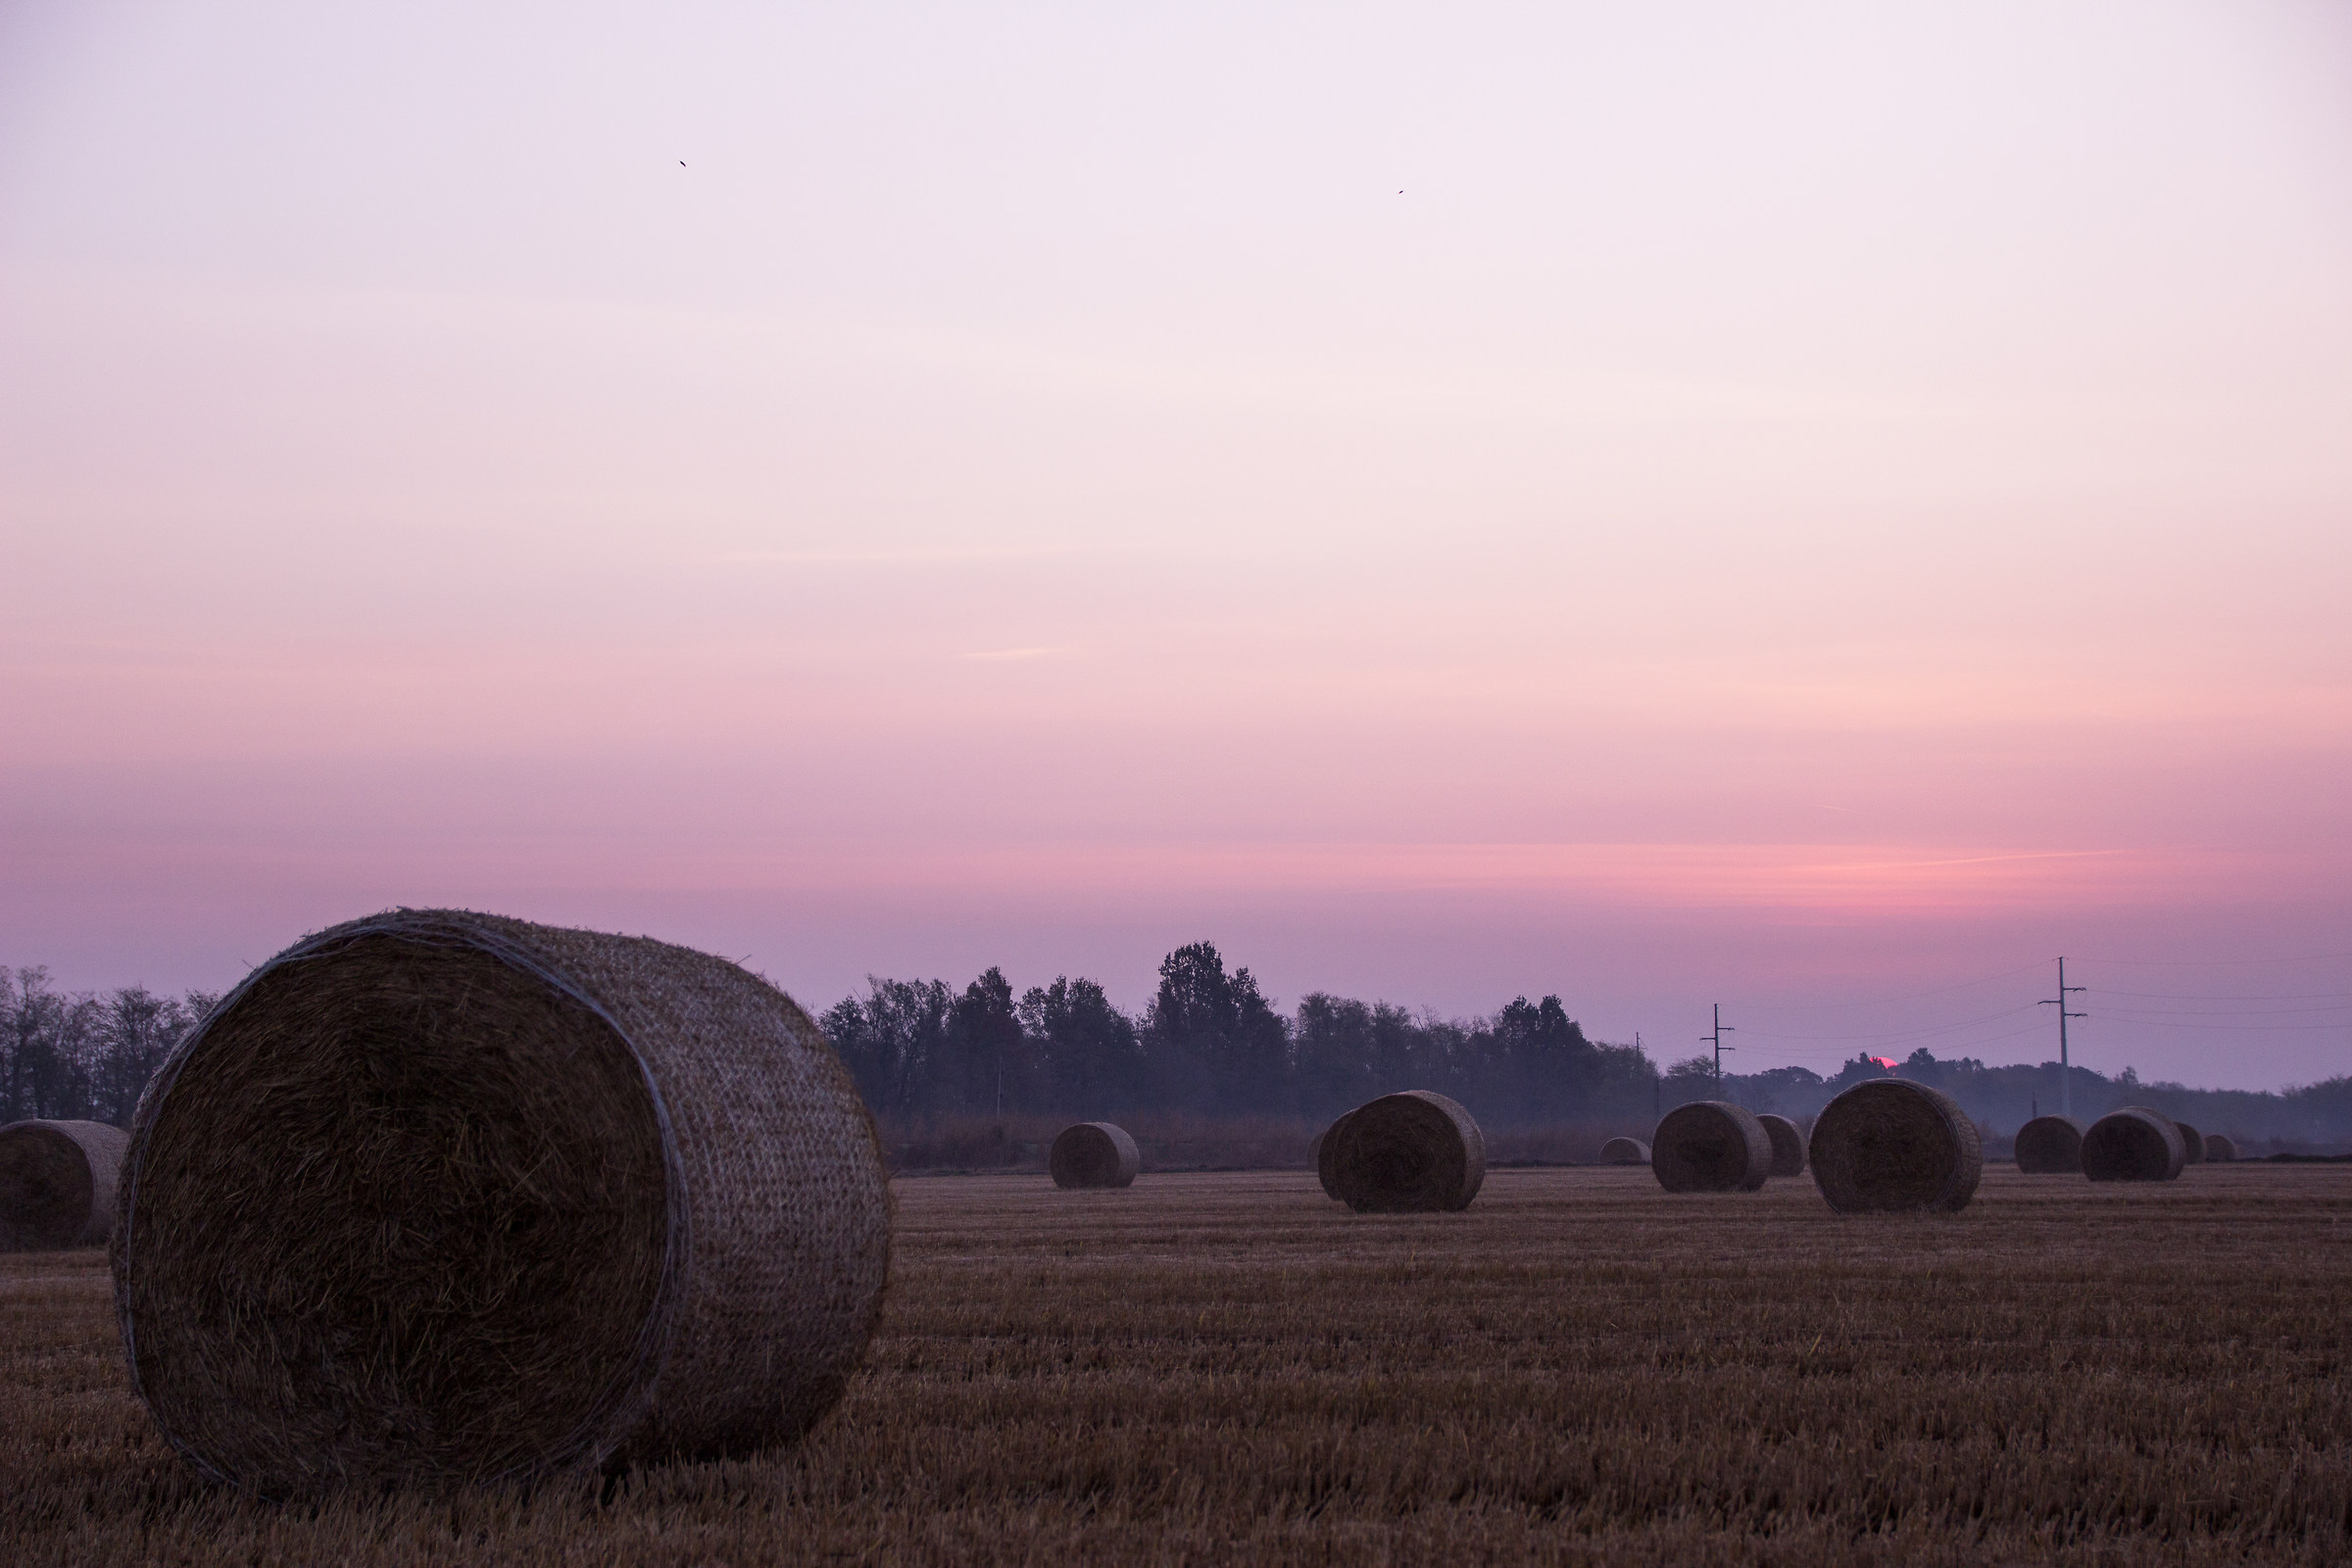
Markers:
point(1710, 1146)
point(2133, 1144)
point(1892, 1147)
point(1094, 1154)
point(1326, 1154)
point(2050, 1146)
point(1625, 1151)
point(1787, 1145)
point(57, 1184)
point(1413, 1153)
point(437, 1197)
point(2219, 1150)
point(2192, 1144)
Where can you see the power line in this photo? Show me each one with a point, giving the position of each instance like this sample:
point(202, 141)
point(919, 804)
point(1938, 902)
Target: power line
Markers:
point(2066, 1071)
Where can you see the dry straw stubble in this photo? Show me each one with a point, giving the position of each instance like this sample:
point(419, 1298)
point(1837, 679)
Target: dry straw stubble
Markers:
point(1412, 1152)
point(2134, 1145)
point(437, 1197)
point(2050, 1146)
point(1892, 1146)
point(1787, 1145)
point(1094, 1154)
point(1625, 1151)
point(1711, 1146)
point(57, 1184)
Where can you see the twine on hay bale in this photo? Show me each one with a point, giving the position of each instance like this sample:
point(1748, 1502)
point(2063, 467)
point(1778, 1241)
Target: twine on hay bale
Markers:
point(1625, 1151)
point(1710, 1146)
point(1890, 1146)
point(1413, 1153)
point(1326, 1154)
point(2219, 1150)
point(2192, 1144)
point(437, 1197)
point(2133, 1144)
point(2050, 1146)
point(57, 1184)
point(1787, 1145)
point(1094, 1154)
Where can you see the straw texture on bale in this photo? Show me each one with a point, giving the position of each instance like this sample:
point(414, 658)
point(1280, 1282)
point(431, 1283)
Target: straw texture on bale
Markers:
point(2219, 1150)
point(1413, 1153)
point(1326, 1153)
point(437, 1197)
point(1892, 1147)
point(2192, 1144)
point(2133, 1144)
point(1710, 1146)
point(1094, 1154)
point(1625, 1151)
point(1787, 1145)
point(57, 1184)
point(2050, 1146)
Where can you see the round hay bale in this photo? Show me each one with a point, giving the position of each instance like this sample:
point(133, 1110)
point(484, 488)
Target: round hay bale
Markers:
point(1326, 1154)
point(438, 1198)
point(1891, 1146)
point(2219, 1150)
point(2133, 1144)
point(1413, 1153)
point(1094, 1154)
point(57, 1184)
point(1625, 1151)
point(2050, 1146)
point(2192, 1144)
point(1787, 1145)
point(1710, 1146)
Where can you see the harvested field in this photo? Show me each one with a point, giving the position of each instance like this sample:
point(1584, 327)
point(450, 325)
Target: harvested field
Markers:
point(1578, 1369)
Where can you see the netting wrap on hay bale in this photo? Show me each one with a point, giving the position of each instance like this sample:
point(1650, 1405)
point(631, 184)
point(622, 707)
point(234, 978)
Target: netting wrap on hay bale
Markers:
point(2050, 1146)
point(2133, 1144)
point(2219, 1149)
point(438, 1197)
point(1327, 1154)
point(2192, 1144)
point(1710, 1146)
point(57, 1184)
point(1413, 1153)
point(1890, 1146)
point(1094, 1154)
point(1625, 1151)
point(1787, 1145)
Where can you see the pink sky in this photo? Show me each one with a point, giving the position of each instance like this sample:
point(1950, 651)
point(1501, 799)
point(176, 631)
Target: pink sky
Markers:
point(1782, 505)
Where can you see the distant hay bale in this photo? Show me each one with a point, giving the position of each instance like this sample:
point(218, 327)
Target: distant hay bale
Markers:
point(57, 1184)
point(1625, 1151)
point(2192, 1144)
point(1413, 1153)
point(1326, 1153)
point(1710, 1146)
point(2050, 1146)
point(1787, 1145)
point(1890, 1146)
point(2219, 1150)
point(2133, 1144)
point(440, 1198)
point(1094, 1154)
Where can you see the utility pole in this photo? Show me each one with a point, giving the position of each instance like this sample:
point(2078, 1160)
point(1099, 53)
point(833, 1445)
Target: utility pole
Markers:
point(1715, 1040)
point(2066, 1067)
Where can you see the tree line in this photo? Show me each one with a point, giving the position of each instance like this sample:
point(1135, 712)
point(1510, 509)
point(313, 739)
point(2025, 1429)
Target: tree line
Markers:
point(83, 1056)
point(1210, 1043)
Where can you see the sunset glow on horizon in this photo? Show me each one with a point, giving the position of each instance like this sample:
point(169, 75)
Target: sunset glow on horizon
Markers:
point(1802, 508)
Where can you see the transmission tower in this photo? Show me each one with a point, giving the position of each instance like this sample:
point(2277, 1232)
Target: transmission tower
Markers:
point(2066, 1067)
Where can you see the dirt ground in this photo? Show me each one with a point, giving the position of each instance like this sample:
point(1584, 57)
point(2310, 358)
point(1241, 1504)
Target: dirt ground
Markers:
point(1228, 1368)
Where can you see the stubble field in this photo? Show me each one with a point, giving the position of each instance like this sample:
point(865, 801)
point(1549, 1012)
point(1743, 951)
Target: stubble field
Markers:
point(1229, 1368)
